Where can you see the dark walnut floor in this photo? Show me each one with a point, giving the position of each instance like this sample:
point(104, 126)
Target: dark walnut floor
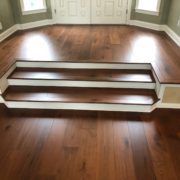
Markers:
point(82, 145)
point(95, 43)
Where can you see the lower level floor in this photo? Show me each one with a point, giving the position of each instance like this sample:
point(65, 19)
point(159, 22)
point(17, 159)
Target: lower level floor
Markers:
point(87, 145)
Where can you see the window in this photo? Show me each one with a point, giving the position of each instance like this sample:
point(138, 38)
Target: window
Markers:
point(148, 6)
point(33, 6)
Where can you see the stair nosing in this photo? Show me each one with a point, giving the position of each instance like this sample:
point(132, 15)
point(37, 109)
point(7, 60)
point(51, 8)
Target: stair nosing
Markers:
point(108, 103)
point(155, 97)
point(37, 79)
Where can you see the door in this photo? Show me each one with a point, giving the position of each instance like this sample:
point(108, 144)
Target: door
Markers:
point(72, 11)
point(109, 11)
point(91, 11)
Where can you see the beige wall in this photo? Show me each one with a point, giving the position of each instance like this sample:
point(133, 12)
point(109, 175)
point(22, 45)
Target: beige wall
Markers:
point(174, 16)
point(6, 14)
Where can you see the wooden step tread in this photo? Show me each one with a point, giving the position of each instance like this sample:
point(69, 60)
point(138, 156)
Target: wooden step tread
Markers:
point(83, 74)
point(80, 95)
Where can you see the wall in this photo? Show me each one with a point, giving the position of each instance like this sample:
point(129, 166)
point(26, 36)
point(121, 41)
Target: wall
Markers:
point(174, 16)
point(160, 19)
point(6, 15)
point(20, 19)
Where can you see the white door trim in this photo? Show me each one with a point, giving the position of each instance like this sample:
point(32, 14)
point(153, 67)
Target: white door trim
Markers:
point(54, 19)
point(53, 11)
point(129, 11)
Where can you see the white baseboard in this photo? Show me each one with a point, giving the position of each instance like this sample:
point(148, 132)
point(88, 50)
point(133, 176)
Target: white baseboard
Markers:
point(171, 34)
point(46, 22)
point(147, 25)
point(30, 25)
point(35, 24)
point(8, 32)
point(157, 27)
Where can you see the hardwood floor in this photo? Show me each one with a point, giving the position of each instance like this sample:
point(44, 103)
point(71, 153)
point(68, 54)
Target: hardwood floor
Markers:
point(97, 44)
point(81, 95)
point(83, 74)
point(82, 145)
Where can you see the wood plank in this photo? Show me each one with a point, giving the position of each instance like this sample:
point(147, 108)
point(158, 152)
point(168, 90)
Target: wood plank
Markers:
point(159, 151)
point(81, 95)
point(54, 144)
point(141, 155)
point(83, 74)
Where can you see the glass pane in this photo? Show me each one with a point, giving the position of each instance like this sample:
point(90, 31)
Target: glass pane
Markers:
point(150, 5)
point(33, 4)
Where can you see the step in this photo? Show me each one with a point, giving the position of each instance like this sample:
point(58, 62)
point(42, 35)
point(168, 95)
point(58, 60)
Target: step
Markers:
point(80, 98)
point(83, 77)
point(82, 64)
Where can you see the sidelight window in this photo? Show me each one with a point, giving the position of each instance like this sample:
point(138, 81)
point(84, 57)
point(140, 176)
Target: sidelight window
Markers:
point(33, 6)
point(148, 6)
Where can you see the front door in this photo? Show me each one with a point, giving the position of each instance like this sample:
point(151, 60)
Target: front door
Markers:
point(91, 11)
point(72, 11)
point(109, 11)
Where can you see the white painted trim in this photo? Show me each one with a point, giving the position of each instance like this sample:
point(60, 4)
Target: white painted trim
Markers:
point(147, 25)
point(71, 65)
point(79, 106)
point(54, 11)
point(2, 100)
point(141, 11)
point(68, 83)
point(4, 81)
point(8, 32)
point(24, 26)
point(175, 37)
point(157, 84)
point(129, 11)
point(171, 34)
point(34, 11)
point(35, 24)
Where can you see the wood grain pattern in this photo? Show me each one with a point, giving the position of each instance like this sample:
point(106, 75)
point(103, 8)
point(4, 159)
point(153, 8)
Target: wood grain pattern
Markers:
point(83, 74)
point(70, 145)
point(81, 95)
point(96, 44)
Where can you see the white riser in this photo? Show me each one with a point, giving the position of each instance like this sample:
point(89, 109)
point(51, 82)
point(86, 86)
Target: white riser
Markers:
point(1, 99)
point(4, 81)
point(79, 106)
point(71, 65)
point(64, 83)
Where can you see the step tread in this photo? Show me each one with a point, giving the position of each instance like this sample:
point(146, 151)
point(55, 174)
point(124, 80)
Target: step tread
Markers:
point(83, 75)
point(81, 95)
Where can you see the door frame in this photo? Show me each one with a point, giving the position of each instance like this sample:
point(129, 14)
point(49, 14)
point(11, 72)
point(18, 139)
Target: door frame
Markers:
point(54, 19)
